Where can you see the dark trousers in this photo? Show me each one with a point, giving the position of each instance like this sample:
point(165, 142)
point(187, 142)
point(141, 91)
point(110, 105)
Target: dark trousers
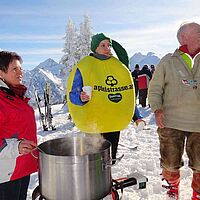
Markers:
point(143, 97)
point(136, 89)
point(113, 138)
point(15, 190)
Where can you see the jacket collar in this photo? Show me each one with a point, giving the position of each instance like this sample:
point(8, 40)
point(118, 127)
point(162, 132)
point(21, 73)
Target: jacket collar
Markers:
point(5, 88)
point(3, 84)
point(99, 56)
point(177, 53)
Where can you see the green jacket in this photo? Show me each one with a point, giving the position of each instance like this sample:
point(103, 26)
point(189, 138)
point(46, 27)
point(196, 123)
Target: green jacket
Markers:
point(176, 89)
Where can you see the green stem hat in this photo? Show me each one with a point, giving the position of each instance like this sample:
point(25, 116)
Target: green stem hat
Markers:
point(119, 50)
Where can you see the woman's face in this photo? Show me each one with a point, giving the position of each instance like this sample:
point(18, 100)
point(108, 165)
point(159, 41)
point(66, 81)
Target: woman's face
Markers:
point(104, 48)
point(14, 75)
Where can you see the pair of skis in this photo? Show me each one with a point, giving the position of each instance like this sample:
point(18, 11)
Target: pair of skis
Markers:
point(45, 118)
point(47, 103)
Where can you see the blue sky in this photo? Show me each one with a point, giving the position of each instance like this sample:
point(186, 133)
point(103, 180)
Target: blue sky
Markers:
point(35, 28)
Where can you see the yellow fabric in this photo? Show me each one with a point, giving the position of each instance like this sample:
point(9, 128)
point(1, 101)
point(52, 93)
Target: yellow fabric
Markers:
point(188, 60)
point(113, 98)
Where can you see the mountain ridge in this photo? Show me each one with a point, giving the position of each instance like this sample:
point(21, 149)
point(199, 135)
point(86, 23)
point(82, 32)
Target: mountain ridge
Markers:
point(148, 59)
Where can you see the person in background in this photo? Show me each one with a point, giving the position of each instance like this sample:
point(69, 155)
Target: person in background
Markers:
point(137, 118)
point(134, 74)
point(111, 106)
point(144, 77)
point(152, 69)
point(17, 130)
point(174, 97)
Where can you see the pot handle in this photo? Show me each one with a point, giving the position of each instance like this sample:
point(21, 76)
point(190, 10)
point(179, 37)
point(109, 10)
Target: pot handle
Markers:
point(116, 159)
point(33, 153)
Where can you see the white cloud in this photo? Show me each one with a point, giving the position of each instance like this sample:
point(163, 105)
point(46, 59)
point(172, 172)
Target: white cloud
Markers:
point(31, 38)
point(148, 39)
point(159, 38)
point(47, 51)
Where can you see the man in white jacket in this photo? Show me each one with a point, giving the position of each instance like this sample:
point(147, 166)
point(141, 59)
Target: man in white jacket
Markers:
point(174, 97)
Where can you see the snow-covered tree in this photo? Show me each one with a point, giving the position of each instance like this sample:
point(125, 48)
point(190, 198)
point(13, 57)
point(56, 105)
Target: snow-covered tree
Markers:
point(85, 36)
point(77, 42)
point(70, 46)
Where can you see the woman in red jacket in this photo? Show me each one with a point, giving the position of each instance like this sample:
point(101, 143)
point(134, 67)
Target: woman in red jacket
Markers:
point(17, 130)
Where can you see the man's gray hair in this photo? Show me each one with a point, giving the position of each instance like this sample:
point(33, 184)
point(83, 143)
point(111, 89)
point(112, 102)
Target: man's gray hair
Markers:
point(183, 28)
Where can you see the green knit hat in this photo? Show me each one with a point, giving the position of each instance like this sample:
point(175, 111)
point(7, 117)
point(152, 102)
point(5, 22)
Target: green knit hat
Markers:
point(119, 50)
point(96, 39)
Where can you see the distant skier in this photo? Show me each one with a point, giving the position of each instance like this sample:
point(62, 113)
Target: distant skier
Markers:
point(144, 77)
point(135, 74)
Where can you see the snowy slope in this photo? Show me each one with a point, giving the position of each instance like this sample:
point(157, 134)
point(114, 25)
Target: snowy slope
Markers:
point(48, 71)
point(144, 160)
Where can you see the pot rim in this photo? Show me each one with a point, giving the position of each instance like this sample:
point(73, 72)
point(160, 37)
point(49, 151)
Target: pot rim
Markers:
point(89, 156)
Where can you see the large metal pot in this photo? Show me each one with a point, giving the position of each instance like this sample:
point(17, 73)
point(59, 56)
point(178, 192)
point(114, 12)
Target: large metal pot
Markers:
point(75, 168)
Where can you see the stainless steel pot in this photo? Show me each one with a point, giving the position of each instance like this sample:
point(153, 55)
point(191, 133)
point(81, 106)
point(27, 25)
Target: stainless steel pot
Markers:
point(75, 168)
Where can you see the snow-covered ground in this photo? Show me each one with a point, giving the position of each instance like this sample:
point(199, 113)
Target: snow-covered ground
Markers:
point(144, 160)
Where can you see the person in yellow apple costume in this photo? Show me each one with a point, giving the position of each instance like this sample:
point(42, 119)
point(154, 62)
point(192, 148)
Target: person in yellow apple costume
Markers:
point(112, 102)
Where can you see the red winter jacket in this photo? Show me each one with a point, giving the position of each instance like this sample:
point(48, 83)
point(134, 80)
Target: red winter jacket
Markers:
point(143, 81)
point(17, 121)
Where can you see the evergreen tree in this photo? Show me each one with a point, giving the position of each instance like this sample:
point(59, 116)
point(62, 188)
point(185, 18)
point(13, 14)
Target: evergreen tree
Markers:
point(85, 36)
point(77, 43)
point(70, 46)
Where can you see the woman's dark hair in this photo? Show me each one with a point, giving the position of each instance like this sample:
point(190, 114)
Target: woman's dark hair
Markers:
point(6, 57)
